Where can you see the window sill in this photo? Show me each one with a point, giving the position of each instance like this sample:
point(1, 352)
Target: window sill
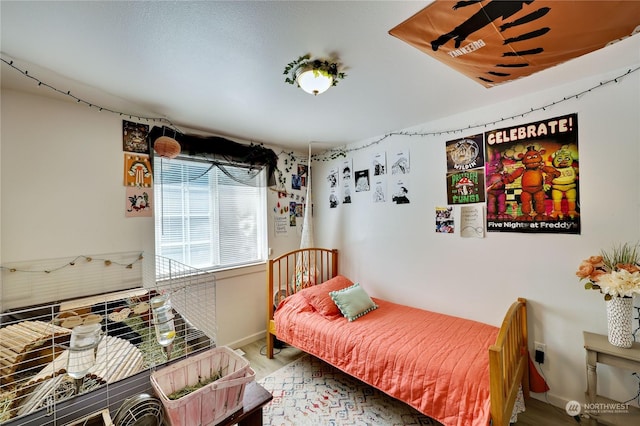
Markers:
point(238, 271)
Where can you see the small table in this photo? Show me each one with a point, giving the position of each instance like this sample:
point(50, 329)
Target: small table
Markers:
point(255, 397)
point(599, 350)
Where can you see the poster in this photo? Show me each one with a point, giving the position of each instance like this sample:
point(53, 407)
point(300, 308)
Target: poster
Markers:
point(138, 202)
point(465, 170)
point(465, 187)
point(333, 180)
point(532, 177)
point(137, 170)
point(400, 169)
point(135, 137)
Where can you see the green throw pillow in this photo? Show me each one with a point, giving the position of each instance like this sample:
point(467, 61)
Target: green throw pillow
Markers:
point(353, 302)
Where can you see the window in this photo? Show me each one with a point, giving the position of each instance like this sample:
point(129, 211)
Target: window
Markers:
point(206, 219)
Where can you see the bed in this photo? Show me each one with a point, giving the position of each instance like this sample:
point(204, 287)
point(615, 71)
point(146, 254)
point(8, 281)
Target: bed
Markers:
point(454, 370)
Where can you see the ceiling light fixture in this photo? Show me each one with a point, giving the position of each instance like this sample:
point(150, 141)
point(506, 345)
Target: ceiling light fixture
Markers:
point(314, 76)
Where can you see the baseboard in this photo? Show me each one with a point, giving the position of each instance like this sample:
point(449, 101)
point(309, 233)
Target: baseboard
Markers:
point(247, 340)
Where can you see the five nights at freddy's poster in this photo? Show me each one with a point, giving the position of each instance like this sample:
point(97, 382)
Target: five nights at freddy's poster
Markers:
point(532, 177)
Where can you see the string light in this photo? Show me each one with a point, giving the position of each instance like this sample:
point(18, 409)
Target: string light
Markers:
point(107, 262)
point(333, 153)
point(89, 104)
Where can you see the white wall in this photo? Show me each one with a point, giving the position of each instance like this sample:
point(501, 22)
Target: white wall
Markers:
point(62, 195)
point(395, 253)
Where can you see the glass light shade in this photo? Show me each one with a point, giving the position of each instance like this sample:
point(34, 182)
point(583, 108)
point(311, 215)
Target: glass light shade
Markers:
point(314, 82)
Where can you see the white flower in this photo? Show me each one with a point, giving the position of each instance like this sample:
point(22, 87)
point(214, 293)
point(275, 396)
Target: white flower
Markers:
point(620, 283)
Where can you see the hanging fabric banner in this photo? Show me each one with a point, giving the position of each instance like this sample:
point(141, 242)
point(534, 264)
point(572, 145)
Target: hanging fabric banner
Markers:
point(495, 41)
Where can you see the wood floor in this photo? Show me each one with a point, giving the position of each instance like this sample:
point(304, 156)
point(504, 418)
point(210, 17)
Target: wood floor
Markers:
point(538, 413)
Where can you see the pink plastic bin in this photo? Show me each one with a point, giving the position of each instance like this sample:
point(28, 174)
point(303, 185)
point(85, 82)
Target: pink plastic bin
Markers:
point(212, 403)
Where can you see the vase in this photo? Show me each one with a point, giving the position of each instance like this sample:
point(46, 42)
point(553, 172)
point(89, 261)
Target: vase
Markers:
point(619, 316)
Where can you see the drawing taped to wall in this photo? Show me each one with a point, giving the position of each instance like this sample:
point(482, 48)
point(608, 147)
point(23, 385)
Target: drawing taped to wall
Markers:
point(333, 179)
point(400, 164)
point(346, 181)
point(380, 189)
point(333, 200)
point(379, 164)
point(362, 180)
point(401, 192)
point(532, 177)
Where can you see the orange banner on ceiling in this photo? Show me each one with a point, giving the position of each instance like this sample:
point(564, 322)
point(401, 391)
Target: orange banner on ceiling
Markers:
point(495, 41)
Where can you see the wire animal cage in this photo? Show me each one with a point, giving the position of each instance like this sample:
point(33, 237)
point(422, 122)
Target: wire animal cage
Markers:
point(63, 360)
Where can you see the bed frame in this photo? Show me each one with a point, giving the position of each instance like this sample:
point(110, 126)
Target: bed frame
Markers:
point(508, 357)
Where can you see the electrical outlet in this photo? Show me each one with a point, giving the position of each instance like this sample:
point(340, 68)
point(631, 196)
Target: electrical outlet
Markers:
point(540, 349)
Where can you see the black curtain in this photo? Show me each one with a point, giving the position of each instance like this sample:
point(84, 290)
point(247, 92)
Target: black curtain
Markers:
point(221, 152)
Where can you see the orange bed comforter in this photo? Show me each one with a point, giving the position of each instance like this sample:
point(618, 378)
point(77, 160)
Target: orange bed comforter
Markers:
point(436, 363)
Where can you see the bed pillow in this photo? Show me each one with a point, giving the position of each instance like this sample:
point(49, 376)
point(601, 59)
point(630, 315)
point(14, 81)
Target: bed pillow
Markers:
point(318, 295)
point(353, 302)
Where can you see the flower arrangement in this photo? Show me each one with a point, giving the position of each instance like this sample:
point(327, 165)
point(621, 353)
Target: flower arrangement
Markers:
point(615, 273)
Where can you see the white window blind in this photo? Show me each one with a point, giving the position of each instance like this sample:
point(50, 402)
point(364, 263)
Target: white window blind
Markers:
point(205, 219)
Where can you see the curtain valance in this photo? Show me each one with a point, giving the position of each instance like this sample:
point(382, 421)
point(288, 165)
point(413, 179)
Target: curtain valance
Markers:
point(221, 152)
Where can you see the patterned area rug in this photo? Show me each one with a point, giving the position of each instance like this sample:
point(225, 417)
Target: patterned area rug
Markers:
point(311, 392)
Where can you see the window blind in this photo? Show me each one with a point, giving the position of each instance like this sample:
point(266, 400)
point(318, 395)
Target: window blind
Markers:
point(206, 219)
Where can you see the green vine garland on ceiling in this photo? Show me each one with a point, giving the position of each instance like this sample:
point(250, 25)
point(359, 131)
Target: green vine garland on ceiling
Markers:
point(321, 66)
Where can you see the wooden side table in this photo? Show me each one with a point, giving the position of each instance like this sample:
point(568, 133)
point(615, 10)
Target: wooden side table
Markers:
point(599, 350)
point(255, 397)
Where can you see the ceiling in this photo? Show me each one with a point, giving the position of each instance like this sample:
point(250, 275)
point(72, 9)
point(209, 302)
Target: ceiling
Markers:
point(217, 66)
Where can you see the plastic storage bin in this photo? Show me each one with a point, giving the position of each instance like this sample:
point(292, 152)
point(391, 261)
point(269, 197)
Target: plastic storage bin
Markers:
point(212, 403)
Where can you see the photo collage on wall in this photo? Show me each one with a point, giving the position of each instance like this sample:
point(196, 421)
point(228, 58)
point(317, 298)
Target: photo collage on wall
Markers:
point(138, 176)
point(345, 182)
point(290, 204)
point(526, 174)
point(296, 201)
